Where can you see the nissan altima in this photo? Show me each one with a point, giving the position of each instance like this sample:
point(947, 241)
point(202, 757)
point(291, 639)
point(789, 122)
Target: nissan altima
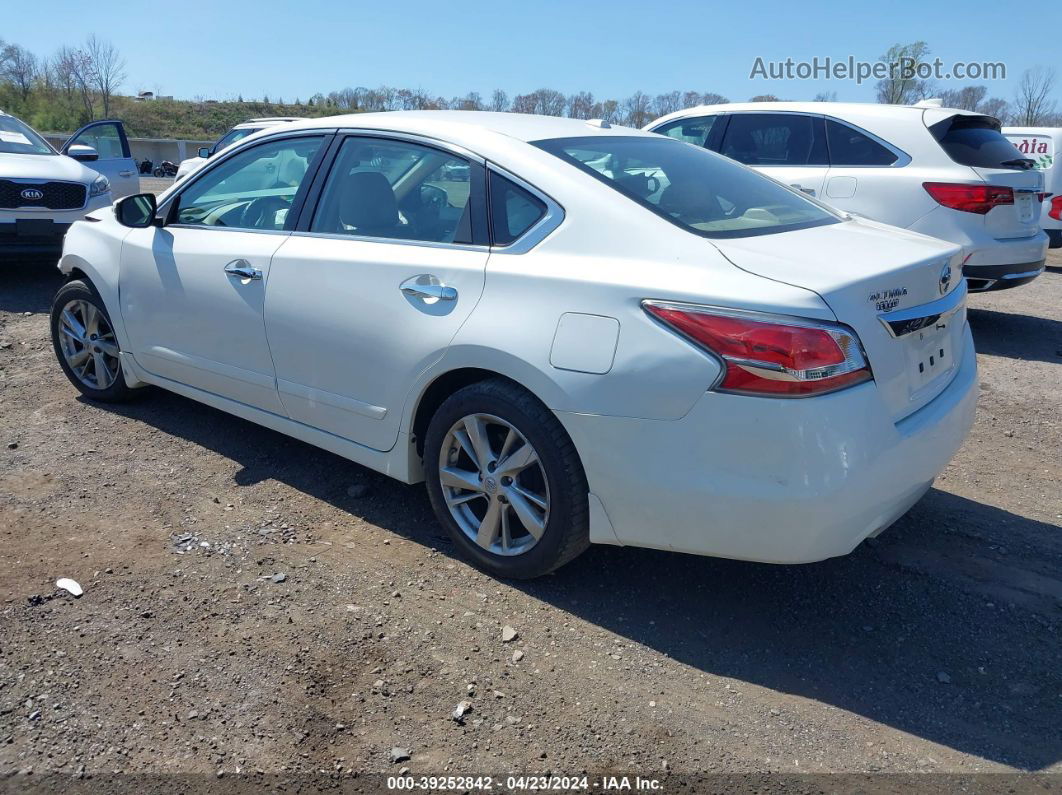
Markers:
point(572, 333)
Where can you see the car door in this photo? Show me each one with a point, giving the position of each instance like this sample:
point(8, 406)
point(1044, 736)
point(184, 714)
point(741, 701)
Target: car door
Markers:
point(375, 283)
point(790, 147)
point(192, 291)
point(866, 177)
point(115, 160)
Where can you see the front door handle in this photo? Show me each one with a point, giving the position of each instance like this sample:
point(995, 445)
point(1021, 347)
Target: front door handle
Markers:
point(428, 287)
point(243, 269)
point(125, 173)
point(808, 191)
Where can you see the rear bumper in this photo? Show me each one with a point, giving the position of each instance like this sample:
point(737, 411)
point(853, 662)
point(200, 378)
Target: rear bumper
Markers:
point(41, 238)
point(775, 481)
point(980, 278)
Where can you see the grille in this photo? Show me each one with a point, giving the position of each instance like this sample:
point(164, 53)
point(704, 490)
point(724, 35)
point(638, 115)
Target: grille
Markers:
point(57, 195)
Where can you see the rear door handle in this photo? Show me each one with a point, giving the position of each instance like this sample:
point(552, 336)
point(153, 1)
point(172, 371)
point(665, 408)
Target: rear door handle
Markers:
point(125, 173)
point(808, 191)
point(428, 286)
point(243, 269)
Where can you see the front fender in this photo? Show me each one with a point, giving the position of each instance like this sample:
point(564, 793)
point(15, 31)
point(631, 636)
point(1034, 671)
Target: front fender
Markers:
point(92, 250)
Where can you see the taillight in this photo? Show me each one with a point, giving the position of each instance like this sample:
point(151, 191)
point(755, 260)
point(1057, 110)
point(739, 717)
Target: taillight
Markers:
point(769, 356)
point(1056, 208)
point(969, 198)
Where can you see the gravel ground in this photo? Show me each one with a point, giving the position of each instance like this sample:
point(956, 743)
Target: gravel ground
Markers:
point(255, 604)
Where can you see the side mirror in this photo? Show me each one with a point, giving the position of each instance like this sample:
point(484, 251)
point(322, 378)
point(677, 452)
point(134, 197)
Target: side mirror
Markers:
point(136, 212)
point(204, 152)
point(83, 153)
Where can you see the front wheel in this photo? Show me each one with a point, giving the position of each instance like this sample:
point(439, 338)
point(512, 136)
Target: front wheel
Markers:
point(505, 480)
point(85, 344)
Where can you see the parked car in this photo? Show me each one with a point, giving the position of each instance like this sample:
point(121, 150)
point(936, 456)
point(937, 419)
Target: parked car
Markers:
point(236, 134)
point(1042, 145)
point(43, 191)
point(641, 342)
point(940, 171)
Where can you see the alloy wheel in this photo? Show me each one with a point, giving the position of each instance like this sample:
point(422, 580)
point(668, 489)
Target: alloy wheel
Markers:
point(494, 484)
point(88, 344)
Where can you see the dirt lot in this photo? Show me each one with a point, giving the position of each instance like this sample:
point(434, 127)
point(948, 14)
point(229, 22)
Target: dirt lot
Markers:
point(254, 604)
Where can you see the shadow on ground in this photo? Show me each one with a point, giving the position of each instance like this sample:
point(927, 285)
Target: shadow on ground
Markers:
point(934, 628)
point(28, 285)
point(1016, 336)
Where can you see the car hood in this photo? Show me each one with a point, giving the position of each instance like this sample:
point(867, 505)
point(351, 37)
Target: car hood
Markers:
point(45, 167)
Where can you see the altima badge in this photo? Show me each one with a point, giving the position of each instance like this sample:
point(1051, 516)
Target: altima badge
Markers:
point(887, 300)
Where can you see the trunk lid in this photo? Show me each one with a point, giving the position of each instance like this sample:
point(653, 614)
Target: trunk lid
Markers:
point(901, 292)
point(1021, 219)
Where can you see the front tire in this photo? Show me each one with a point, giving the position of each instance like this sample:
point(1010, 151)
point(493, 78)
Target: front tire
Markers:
point(505, 480)
point(85, 344)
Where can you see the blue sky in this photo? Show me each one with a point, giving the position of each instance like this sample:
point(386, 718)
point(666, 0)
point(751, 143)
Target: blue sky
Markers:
point(294, 48)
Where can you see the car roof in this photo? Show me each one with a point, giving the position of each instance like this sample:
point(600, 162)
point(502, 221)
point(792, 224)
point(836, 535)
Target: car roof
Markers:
point(838, 109)
point(462, 123)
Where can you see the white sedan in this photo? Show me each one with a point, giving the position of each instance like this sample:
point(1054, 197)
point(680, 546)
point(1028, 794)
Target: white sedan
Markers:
point(594, 335)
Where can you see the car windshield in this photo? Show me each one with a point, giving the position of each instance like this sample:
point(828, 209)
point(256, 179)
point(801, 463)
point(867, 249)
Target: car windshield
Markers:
point(698, 190)
point(17, 138)
point(232, 136)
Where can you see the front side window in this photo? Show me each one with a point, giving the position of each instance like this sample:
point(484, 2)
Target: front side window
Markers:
point(513, 210)
point(18, 138)
point(397, 189)
point(850, 147)
point(105, 139)
point(692, 131)
point(693, 188)
point(775, 139)
point(254, 189)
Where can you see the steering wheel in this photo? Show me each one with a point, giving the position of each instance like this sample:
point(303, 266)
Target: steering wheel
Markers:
point(261, 213)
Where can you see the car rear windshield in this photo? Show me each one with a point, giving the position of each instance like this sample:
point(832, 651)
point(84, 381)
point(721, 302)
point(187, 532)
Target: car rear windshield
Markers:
point(17, 138)
point(976, 141)
point(698, 190)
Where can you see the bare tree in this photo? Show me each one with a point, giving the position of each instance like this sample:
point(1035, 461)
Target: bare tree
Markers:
point(499, 101)
point(607, 110)
point(581, 105)
point(637, 109)
point(996, 107)
point(965, 98)
point(471, 101)
point(825, 96)
point(73, 73)
point(711, 98)
point(107, 69)
point(18, 66)
point(903, 86)
point(664, 104)
point(1032, 102)
point(764, 98)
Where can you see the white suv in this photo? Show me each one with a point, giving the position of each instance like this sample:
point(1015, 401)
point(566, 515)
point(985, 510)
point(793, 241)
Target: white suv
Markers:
point(43, 191)
point(940, 171)
point(237, 133)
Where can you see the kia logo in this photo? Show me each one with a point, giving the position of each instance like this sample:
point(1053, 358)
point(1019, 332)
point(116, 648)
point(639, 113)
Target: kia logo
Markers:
point(945, 279)
point(32, 194)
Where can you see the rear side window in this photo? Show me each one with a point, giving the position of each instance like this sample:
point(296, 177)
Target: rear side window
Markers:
point(850, 147)
point(513, 210)
point(976, 141)
point(775, 139)
point(693, 188)
point(692, 131)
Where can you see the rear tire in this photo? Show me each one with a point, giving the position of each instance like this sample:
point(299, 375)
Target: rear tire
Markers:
point(85, 344)
point(522, 510)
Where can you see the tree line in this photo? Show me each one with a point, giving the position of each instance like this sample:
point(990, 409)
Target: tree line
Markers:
point(79, 83)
